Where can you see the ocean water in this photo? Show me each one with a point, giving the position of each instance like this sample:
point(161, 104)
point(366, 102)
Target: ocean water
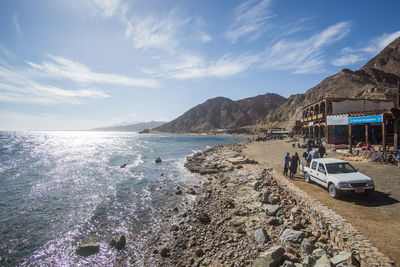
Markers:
point(58, 189)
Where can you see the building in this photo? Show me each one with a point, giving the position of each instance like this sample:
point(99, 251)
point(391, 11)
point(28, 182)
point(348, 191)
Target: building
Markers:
point(351, 121)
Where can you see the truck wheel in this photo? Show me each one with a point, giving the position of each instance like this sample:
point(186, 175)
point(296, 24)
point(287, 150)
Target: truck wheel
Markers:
point(307, 178)
point(333, 192)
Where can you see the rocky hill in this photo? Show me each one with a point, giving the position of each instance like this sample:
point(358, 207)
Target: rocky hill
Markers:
point(222, 113)
point(377, 79)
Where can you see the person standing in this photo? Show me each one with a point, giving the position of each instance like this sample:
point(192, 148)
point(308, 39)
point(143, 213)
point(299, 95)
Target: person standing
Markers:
point(286, 164)
point(312, 155)
point(294, 163)
point(321, 151)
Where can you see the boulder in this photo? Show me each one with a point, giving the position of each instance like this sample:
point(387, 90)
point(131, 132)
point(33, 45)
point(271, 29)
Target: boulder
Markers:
point(164, 251)
point(207, 171)
point(292, 236)
point(323, 262)
point(261, 236)
point(307, 246)
point(118, 242)
point(256, 185)
point(87, 249)
point(272, 257)
point(271, 210)
point(273, 198)
point(342, 257)
point(203, 218)
point(265, 195)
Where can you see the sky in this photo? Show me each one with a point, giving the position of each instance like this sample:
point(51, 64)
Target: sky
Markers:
point(81, 64)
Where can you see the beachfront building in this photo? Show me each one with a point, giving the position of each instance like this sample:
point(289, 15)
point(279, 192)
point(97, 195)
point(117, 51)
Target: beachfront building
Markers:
point(345, 121)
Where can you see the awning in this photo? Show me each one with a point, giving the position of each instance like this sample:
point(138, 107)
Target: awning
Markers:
point(366, 119)
point(342, 119)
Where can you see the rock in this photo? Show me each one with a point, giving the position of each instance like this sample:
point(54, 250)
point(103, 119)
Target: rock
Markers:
point(342, 257)
point(208, 171)
point(317, 253)
point(292, 236)
point(307, 246)
point(288, 264)
point(174, 228)
point(164, 251)
point(178, 192)
point(272, 257)
point(118, 242)
point(158, 160)
point(288, 255)
point(265, 195)
point(271, 210)
point(273, 198)
point(199, 252)
point(203, 218)
point(191, 191)
point(256, 185)
point(261, 236)
point(273, 221)
point(88, 249)
point(323, 262)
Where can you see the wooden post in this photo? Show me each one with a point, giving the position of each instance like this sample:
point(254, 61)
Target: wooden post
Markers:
point(350, 140)
point(366, 134)
point(383, 135)
point(327, 133)
point(396, 121)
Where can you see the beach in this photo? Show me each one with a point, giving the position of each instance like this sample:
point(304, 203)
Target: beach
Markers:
point(246, 213)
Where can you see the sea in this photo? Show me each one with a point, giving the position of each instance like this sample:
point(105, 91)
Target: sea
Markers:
point(61, 188)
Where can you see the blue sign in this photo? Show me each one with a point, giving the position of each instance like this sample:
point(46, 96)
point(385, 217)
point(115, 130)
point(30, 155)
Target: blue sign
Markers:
point(366, 119)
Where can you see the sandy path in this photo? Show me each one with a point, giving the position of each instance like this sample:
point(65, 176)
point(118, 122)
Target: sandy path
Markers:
point(378, 218)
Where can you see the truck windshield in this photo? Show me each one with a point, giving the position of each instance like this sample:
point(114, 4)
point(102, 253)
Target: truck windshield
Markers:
point(336, 168)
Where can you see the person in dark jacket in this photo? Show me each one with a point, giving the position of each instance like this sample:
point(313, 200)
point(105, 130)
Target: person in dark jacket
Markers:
point(321, 151)
point(294, 163)
point(286, 166)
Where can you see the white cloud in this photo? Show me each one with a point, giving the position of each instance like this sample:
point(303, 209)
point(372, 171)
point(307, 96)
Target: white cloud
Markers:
point(303, 56)
point(107, 8)
point(379, 43)
point(353, 55)
point(75, 71)
point(204, 37)
point(250, 20)
point(188, 66)
point(347, 60)
point(18, 88)
point(16, 24)
point(155, 31)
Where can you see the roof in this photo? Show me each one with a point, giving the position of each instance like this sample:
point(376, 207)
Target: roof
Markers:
point(341, 99)
point(329, 160)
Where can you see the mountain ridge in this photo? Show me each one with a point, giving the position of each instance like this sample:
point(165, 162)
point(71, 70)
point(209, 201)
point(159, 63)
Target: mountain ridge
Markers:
point(377, 79)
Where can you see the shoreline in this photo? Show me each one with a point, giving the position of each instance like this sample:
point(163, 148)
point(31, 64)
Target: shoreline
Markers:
point(244, 214)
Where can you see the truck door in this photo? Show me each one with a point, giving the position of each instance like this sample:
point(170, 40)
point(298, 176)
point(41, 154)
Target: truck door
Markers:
point(321, 173)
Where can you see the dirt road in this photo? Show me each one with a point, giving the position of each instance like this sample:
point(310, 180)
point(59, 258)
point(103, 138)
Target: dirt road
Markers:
point(378, 217)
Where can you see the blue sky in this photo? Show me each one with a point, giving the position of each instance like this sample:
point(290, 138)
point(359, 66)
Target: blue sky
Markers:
point(79, 64)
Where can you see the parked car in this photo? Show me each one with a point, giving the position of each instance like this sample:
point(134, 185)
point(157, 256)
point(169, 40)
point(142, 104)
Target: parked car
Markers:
point(338, 176)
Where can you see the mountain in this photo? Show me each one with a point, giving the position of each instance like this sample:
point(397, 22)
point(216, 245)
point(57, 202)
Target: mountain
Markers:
point(377, 79)
point(131, 127)
point(222, 113)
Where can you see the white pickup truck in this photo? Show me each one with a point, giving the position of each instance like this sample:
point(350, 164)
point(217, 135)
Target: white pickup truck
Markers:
point(338, 176)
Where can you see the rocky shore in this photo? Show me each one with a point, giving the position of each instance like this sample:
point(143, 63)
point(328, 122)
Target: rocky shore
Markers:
point(245, 215)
